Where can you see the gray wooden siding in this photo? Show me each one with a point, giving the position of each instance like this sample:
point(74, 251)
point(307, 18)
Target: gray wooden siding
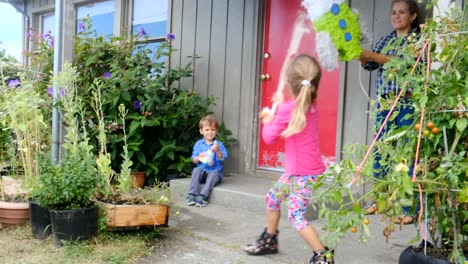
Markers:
point(224, 33)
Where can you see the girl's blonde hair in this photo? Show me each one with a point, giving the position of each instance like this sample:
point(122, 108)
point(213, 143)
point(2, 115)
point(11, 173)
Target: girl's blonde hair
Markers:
point(303, 75)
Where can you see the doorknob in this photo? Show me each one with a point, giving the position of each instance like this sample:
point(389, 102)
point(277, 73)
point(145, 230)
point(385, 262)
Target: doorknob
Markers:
point(265, 76)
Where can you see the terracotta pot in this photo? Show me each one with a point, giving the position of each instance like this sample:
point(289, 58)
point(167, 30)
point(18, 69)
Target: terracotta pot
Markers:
point(13, 214)
point(138, 179)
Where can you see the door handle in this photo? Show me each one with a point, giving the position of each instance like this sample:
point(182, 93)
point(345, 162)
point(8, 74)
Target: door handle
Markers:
point(265, 76)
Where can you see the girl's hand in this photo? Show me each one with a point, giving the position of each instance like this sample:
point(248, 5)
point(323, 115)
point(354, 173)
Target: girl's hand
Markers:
point(278, 97)
point(267, 118)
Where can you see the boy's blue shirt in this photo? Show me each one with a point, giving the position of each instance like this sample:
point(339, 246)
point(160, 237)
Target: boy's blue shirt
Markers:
point(200, 147)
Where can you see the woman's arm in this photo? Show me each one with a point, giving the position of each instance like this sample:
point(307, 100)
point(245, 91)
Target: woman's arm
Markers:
point(367, 55)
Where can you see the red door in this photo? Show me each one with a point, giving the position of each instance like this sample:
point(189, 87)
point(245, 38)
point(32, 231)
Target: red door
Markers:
point(288, 31)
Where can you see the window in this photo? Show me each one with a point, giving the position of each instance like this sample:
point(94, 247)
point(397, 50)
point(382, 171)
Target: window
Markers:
point(48, 24)
point(101, 14)
point(151, 16)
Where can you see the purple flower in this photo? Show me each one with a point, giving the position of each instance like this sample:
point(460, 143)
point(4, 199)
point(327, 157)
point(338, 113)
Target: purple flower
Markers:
point(51, 42)
point(106, 75)
point(141, 32)
point(170, 36)
point(137, 104)
point(31, 33)
point(50, 91)
point(81, 27)
point(13, 83)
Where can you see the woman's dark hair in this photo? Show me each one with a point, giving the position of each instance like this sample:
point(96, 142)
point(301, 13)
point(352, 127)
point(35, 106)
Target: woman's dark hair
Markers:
point(413, 9)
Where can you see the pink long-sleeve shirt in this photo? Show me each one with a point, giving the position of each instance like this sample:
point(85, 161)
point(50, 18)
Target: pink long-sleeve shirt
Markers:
point(302, 150)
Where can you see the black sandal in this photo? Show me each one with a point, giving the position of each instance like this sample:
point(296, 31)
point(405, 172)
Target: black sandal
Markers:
point(265, 244)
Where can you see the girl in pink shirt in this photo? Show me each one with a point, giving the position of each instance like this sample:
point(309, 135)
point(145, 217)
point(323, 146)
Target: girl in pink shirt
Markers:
point(297, 121)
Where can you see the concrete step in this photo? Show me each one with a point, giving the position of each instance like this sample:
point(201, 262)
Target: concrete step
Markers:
point(239, 192)
point(216, 234)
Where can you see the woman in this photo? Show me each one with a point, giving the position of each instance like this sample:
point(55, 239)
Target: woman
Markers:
point(404, 19)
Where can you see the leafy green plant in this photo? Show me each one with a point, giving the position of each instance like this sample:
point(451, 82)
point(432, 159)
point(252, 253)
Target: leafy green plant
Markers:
point(73, 181)
point(162, 120)
point(24, 120)
point(436, 142)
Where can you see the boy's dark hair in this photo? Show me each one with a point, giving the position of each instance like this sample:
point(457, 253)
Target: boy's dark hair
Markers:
point(208, 120)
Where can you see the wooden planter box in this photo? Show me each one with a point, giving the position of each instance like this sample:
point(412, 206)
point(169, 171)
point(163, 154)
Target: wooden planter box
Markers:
point(127, 217)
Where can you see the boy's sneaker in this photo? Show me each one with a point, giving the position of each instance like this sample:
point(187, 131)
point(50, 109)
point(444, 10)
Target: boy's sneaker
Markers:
point(323, 257)
point(201, 201)
point(191, 200)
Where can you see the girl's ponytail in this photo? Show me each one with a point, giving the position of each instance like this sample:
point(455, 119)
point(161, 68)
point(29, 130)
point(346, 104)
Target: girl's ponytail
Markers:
point(303, 76)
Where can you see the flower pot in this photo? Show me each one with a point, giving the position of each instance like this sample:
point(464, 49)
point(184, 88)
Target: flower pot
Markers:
point(128, 216)
point(412, 256)
point(12, 213)
point(77, 224)
point(40, 220)
point(138, 178)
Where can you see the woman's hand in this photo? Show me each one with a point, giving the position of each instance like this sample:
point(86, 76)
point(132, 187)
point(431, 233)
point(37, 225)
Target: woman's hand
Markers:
point(364, 56)
point(367, 55)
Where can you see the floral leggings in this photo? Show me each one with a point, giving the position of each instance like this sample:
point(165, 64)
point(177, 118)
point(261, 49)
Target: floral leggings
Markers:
point(297, 190)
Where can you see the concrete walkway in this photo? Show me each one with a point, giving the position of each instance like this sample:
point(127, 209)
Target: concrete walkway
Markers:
point(216, 233)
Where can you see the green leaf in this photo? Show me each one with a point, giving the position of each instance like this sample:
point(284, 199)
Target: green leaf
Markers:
point(408, 185)
point(406, 202)
point(461, 124)
point(141, 157)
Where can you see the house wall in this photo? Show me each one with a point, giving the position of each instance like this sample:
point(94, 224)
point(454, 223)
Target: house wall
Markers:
point(225, 34)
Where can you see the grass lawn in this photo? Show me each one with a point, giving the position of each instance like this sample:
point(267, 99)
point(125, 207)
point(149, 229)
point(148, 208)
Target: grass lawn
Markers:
point(17, 245)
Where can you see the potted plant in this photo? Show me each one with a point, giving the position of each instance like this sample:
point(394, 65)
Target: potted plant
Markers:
point(66, 188)
point(24, 135)
point(121, 204)
point(432, 151)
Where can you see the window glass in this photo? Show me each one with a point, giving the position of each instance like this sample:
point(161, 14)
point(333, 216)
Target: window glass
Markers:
point(153, 46)
point(101, 14)
point(151, 15)
point(48, 24)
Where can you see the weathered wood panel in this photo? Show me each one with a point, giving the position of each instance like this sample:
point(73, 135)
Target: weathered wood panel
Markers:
point(187, 48)
point(224, 34)
point(202, 47)
point(356, 124)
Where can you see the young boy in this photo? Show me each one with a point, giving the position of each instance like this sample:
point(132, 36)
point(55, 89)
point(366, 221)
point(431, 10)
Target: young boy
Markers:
point(208, 154)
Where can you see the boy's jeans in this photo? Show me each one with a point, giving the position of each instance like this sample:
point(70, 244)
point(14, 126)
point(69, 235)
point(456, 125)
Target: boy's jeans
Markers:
point(209, 179)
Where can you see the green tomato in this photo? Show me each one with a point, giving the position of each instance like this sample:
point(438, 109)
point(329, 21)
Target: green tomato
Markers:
point(440, 170)
point(390, 77)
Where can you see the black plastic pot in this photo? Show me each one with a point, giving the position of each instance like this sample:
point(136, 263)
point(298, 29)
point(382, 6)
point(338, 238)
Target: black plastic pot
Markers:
point(40, 220)
point(412, 256)
point(77, 224)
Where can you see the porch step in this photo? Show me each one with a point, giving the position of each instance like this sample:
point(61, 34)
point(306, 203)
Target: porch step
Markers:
point(236, 192)
point(216, 234)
